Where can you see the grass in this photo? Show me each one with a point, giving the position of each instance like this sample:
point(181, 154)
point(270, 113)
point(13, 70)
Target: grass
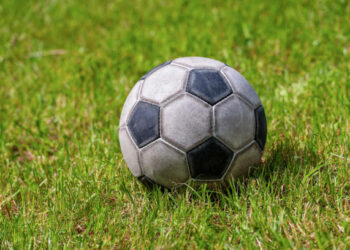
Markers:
point(66, 68)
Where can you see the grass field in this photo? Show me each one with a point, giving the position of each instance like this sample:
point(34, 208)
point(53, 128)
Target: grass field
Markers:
point(66, 68)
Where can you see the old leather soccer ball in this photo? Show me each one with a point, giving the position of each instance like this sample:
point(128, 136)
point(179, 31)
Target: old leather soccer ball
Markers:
point(192, 118)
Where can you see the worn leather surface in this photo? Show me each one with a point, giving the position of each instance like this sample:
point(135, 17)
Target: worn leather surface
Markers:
point(129, 104)
point(243, 161)
point(234, 122)
point(186, 121)
point(155, 69)
point(199, 62)
point(261, 128)
point(130, 152)
point(208, 85)
point(164, 164)
point(158, 87)
point(143, 123)
point(209, 160)
point(159, 150)
point(241, 85)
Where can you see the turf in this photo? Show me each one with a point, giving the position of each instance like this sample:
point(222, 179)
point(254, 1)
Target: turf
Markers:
point(66, 68)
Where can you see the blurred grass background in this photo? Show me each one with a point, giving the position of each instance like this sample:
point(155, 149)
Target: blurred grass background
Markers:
point(66, 68)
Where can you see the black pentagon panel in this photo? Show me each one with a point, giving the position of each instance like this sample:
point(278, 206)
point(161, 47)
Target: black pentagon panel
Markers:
point(260, 127)
point(155, 68)
point(209, 160)
point(208, 84)
point(144, 123)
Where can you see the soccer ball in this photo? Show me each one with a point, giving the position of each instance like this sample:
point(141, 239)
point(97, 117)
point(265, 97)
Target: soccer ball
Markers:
point(192, 118)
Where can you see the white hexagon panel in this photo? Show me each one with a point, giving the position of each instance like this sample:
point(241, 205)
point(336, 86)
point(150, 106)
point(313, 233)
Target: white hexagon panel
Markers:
point(129, 103)
point(185, 121)
point(234, 122)
point(164, 164)
point(164, 83)
point(130, 152)
point(198, 62)
point(243, 162)
point(241, 85)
